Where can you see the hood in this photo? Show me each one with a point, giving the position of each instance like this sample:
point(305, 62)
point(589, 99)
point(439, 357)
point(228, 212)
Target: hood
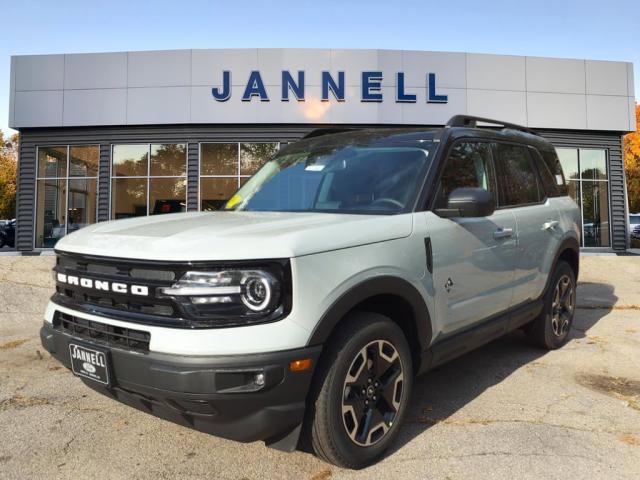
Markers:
point(233, 235)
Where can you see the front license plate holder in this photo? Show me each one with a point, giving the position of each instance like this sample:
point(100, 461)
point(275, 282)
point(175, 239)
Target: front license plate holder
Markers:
point(90, 362)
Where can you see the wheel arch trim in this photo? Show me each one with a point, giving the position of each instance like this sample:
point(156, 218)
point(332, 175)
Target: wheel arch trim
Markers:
point(382, 285)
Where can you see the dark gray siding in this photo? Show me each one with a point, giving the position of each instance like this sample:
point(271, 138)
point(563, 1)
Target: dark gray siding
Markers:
point(104, 185)
point(612, 142)
point(194, 134)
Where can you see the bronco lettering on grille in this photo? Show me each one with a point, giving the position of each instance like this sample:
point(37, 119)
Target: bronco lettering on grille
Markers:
point(103, 285)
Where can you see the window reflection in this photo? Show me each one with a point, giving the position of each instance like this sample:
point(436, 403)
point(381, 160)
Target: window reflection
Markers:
point(595, 214)
point(66, 190)
point(593, 164)
point(167, 195)
point(168, 159)
point(156, 180)
point(50, 218)
point(128, 197)
point(569, 161)
point(586, 172)
point(82, 203)
point(215, 192)
point(52, 162)
point(84, 161)
point(130, 160)
point(255, 155)
point(226, 166)
point(219, 159)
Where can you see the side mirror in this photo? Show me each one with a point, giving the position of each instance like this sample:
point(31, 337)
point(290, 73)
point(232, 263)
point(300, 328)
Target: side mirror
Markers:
point(468, 202)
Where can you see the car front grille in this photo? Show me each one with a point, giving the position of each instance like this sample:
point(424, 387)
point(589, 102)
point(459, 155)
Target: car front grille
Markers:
point(147, 309)
point(102, 333)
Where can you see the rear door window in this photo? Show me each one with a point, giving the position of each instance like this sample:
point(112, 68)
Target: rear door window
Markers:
point(517, 179)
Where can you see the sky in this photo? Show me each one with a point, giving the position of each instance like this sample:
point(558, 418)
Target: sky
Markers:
point(559, 28)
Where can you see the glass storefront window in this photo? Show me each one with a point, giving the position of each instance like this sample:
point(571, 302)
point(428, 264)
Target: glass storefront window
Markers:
point(51, 218)
point(148, 179)
point(130, 160)
point(219, 159)
point(595, 214)
point(214, 192)
point(128, 197)
point(168, 160)
point(587, 183)
point(82, 203)
point(84, 161)
point(167, 195)
point(569, 161)
point(66, 190)
point(224, 167)
point(254, 155)
point(593, 164)
point(52, 162)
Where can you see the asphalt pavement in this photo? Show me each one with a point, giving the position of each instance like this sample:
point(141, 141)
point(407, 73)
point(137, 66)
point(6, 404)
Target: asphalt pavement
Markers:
point(505, 411)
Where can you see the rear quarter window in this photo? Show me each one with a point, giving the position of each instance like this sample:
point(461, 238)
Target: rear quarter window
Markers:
point(550, 181)
point(552, 162)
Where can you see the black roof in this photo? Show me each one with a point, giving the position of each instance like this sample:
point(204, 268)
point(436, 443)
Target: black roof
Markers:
point(458, 126)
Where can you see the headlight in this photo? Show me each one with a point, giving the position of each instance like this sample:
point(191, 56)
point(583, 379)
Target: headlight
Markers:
point(249, 294)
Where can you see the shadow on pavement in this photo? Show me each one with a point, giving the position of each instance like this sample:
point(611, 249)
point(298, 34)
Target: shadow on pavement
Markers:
point(441, 392)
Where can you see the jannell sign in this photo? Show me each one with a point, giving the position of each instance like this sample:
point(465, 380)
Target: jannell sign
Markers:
point(371, 88)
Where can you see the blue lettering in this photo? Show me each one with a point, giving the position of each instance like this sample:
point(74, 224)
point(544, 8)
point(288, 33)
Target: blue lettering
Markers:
point(328, 83)
point(225, 94)
point(432, 96)
point(371, 86)
point(255, 87)
point(401, 96)
point(288, 83)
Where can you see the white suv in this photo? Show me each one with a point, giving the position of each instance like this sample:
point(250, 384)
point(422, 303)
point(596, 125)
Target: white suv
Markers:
point(348, 264)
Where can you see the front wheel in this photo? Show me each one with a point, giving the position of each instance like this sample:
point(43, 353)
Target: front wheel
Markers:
point(361, 391)
point(551, 329)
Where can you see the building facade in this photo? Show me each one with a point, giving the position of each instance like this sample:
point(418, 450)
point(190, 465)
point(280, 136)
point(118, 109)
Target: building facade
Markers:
point(115, 135)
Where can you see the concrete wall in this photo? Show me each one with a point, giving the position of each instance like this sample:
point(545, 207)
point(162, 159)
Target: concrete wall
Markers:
point(174, 87)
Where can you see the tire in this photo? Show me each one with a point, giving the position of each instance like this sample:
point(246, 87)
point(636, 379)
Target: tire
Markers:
point(348, 388)
point(551, 329)
point(2, 241)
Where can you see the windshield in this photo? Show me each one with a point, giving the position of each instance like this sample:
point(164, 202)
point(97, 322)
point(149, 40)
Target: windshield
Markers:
point(634, 219)
point(337, 179)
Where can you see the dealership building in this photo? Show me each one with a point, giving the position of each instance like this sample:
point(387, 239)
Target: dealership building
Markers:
point(115, 135)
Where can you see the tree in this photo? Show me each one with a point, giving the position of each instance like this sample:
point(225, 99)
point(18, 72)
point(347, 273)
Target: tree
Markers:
point(8, 174)
point(632, 165)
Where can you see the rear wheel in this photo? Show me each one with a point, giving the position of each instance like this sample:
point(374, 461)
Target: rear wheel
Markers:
point(361, 391)
point(551, 329)
point(2, 241)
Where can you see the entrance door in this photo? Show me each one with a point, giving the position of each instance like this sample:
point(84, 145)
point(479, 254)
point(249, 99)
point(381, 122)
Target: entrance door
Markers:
point(585, 170)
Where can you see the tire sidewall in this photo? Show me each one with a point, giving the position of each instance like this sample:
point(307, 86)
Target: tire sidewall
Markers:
point(381, 329)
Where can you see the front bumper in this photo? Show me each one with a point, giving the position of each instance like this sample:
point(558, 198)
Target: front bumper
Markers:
point(212, 394)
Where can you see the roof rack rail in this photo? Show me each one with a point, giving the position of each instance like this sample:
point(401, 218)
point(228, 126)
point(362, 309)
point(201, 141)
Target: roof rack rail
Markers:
point(470, 121)
point(318, 132)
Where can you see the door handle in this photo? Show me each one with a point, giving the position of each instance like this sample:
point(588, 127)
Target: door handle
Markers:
point(550, 225)
point(503, 233)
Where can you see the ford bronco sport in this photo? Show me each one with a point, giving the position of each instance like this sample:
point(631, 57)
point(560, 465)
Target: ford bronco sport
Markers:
point(351, 262)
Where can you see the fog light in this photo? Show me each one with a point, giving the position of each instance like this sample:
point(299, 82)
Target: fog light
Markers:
point(258, 379)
